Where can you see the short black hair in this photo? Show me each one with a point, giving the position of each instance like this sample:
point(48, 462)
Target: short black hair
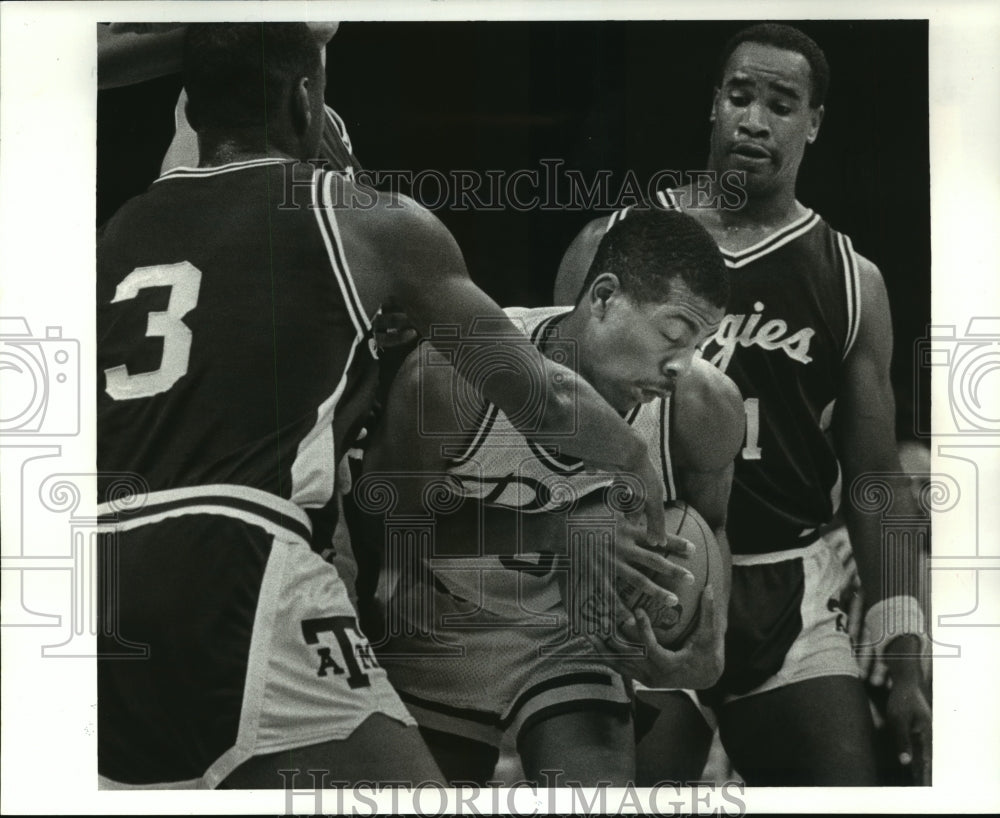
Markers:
point(648, 247)
point(234, 71)
point(787, 38)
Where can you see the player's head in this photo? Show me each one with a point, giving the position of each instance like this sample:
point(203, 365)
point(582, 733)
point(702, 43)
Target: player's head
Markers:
point(656, 289)
point(768, 105)
point(248, 81)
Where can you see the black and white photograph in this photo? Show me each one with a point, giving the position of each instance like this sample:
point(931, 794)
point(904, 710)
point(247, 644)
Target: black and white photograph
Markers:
point(473, 409)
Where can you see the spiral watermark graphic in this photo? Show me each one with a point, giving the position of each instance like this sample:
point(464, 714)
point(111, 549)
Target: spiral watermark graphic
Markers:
point(938, 493)
point(376, 493)
point(125, 492)
point(626, 495)
point(872, 493)
point(60, 494)
point(442, 495)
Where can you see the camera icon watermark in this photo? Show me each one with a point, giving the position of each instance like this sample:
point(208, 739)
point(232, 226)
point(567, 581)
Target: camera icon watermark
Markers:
point(39, 381)
point(971, 365)
point(461, 365)
point(83, 603)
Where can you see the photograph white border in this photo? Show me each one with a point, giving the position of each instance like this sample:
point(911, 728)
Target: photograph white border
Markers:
point(47, 216)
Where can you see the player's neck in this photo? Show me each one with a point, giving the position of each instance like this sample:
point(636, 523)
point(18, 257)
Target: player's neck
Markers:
point(766, 211)
point(568, 327)
point(763, 210)
point(216, 150)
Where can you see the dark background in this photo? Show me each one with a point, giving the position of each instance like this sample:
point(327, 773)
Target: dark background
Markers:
point(603, 95)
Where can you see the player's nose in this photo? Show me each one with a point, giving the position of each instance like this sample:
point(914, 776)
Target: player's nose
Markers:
point(754, 120)
point(678, 364)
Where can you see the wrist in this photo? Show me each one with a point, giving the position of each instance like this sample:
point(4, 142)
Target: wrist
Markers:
point(902, 657)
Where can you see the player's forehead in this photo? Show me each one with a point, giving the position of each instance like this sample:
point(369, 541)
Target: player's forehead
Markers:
point(683, 309)
point(763, 64)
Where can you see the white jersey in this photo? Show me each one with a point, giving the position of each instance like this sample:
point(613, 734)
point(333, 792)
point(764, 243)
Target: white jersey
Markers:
point(502, 468)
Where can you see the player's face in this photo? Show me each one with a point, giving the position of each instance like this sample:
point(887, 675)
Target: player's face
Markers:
point(638, 349)
point(761, 119)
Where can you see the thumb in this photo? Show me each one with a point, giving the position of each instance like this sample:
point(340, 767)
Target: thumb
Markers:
point(899, 726)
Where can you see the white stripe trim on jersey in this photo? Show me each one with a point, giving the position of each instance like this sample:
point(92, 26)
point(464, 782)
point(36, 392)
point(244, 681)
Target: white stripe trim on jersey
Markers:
point(237, 492)
point(341, 128)
point(852, 284)
point(772, 557)
point(668, 468)
point(105, 783)
point(313, 472)
point(775, 241)
point(194, 494)
point(327, 220)
point(666, 198)
point(199, 173)
point(551, 463)
point(485, 425)
point(618, 215)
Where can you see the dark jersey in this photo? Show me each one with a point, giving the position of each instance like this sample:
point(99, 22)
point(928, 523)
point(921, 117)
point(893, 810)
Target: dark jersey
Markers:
point(791, 320)
point(335, 149)
point(232, 346)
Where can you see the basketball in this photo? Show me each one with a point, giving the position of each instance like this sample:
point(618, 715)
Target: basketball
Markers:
point(705, 563)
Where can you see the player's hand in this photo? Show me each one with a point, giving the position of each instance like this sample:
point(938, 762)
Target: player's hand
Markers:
point(323, 32)
point(645, 576)
point(697, 664)
point(144, 28)
point(910, 722)
point(907, 711)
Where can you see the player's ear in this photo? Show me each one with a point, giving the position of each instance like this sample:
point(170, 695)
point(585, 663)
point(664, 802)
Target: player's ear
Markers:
point(816, 115)
point(604, 288)
point(301, 106)
point(715, 101)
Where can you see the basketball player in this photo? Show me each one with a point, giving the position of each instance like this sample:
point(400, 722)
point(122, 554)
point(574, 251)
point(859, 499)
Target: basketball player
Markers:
point(235, 363)
point(808, 340)
point(130, 53)
point(656, 289)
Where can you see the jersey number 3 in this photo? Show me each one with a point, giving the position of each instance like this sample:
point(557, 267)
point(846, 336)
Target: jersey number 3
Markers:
point(184, 281)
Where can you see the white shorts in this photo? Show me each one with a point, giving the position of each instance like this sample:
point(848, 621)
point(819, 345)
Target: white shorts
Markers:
point(253, 646)
point(465, 669)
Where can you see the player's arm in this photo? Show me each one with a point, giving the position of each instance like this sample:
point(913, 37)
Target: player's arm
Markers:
point(399, 446)
point(576, 262)
point(865, 439)
point(545, 401)
point(401, 453)
point(709, 432)
point(130, 53)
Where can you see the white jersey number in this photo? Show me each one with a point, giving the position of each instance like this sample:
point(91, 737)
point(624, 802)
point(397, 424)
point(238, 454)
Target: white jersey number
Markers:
point(751, 407)
point(184, 281)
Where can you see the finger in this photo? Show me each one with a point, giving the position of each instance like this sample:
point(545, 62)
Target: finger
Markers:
point(899, 729)
point(638, 634)
point(637, 590)
point(670, 545)
point(663, 570)
point(675, 545)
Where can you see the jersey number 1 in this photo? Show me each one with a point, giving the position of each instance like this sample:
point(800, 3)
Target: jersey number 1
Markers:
point(184, 281)
point(751, 408)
